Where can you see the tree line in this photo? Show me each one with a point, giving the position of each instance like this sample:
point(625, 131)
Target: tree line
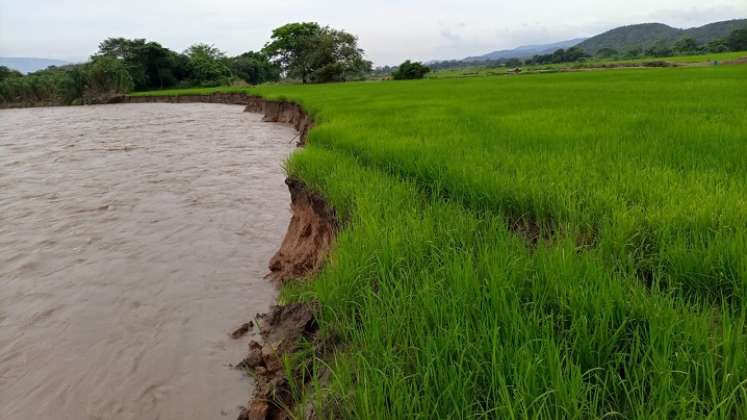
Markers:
point(307, 52)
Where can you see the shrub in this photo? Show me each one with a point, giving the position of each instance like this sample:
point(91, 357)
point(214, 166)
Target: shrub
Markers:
point(410, 70)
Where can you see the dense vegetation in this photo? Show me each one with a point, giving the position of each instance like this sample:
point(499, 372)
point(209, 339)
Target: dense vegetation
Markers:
point(305, 51)
point(92, 82)
point(570, 55)
point(409, 70)
point(313, 53)
point(656, 35)
point(568, 245)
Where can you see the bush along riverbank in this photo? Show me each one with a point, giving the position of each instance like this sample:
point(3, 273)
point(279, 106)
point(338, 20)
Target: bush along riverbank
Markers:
point(557, 246)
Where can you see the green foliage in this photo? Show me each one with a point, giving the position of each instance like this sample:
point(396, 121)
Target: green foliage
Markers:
point(316, 54)
point(513, 62)
point(571, 55)
point(92, 82)
point(254, 68)
point(633, 53)
point(208, 66)
point(150, 65)
point(607, 53)
point(337, 58)
point(650, 35)
point(107, 75)
point(6, 73)
point(686, 46)
point(291, 48)
point(659, 50)
point(737, 40)
point(410, 70)
point(716, 46)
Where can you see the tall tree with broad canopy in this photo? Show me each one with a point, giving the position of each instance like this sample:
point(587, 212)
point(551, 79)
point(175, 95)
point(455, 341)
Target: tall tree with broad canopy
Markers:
point(737, 40)
point(208, 65)
point(150, 65)
point(316, 54)
point(254, 68)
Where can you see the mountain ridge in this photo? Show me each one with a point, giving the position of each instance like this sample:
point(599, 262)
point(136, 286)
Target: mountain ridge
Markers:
point(524, 51)
point(622, 38)
point(647, 35)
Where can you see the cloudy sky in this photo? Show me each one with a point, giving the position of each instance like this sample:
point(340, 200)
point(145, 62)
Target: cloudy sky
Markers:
point(389, 30)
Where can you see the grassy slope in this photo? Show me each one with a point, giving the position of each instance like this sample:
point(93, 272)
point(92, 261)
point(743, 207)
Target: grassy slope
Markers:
point(631, 304)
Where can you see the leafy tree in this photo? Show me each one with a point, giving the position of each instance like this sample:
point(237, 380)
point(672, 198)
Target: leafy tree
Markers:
point(150, 65)
point(129, 51)
point(716, 46)
point(686, 46)
point(573, 54)
point(254, 68)
point(607, 53)
point(107, 75)
point(560, 56)
point(513, 62)
point(737, 40)
point(316, 54)
point(634, 53)
point(336, 57)
point(410, 70)
point(291, 48)
point(659, 50)
point(208, 65)
point(7, 73)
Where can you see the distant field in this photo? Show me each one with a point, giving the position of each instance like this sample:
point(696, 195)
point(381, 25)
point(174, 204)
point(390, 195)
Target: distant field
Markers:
point(567, 245)
point(477, 70)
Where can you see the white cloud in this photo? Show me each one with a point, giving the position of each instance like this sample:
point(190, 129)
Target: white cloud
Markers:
point(390, 31)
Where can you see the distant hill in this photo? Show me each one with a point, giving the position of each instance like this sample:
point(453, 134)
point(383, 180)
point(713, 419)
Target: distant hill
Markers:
point(524, 51)
point(29, 64)
point(647, 35)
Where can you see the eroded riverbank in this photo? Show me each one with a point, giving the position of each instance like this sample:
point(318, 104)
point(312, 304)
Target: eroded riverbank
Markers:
point(133, 238)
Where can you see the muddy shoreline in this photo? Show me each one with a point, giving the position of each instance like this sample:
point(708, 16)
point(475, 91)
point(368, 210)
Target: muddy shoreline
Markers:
point(309, 238)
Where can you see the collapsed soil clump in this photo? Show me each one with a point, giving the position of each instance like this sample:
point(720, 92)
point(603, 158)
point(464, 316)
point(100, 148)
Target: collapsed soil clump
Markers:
point(284, 329)
point(242, 330)
point(310, 234)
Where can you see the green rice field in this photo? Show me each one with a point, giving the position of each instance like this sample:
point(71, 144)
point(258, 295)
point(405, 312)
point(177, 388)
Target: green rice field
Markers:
point(566, 245)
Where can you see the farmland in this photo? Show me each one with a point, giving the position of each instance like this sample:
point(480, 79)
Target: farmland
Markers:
point(567, 245)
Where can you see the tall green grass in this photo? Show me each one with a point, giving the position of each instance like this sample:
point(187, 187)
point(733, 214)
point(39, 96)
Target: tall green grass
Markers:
point(551, 246)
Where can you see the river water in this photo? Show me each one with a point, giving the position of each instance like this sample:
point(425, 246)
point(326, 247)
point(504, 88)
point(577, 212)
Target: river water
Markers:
point(133, 239)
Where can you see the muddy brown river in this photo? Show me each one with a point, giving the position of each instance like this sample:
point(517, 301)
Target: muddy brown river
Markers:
point(133, 239)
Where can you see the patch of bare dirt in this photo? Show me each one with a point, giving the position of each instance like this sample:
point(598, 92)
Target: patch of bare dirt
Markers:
point(742, 60)
point(283, 330)
point(310, 234)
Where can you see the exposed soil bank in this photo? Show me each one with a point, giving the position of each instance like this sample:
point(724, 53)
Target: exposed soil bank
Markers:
point(273, 111)
point(310, 235)
point(311, 231)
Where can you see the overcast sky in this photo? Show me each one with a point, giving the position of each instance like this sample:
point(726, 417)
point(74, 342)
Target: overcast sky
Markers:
point(389, 30)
